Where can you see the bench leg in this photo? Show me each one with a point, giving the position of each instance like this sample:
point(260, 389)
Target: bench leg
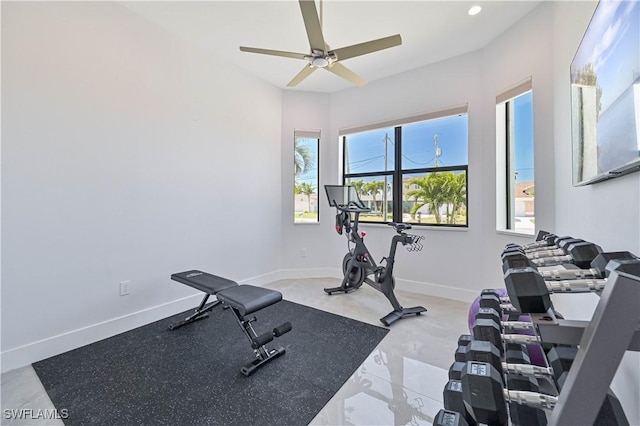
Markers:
point(258, 343)
point(201, 312)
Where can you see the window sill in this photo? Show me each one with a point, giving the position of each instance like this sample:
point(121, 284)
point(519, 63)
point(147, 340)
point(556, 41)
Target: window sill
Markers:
point(307, 223)
point(421, 228)
point(515, 233)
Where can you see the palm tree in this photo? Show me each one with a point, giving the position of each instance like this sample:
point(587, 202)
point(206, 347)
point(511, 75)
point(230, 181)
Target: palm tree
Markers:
point(359, 186)
point(431, 192)
point(302, 158)
point(372, 188)
point(458, 193)
point(306, 189)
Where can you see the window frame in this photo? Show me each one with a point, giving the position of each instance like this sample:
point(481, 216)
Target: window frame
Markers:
point(398, 172)
point(307, 134)
point(506, 158)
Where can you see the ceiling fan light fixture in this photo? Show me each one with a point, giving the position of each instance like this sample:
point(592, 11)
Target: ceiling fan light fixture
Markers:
point(474, 10)
point(319, 62)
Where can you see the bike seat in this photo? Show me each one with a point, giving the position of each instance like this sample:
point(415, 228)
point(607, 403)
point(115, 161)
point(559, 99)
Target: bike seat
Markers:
point(399, 227)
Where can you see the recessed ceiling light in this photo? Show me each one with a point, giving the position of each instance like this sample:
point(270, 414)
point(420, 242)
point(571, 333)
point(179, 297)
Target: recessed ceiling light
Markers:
point(474, 10)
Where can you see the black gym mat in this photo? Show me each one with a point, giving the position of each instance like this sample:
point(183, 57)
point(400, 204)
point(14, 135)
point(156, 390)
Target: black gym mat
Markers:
point(191, 376)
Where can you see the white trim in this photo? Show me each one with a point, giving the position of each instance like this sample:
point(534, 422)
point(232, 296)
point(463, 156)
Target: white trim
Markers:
point(45, 348)
point(445, 112)
point(310, 134)
point(514, 91)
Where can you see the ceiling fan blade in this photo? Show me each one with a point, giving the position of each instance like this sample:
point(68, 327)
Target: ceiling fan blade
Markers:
point(312, 24)
point(344, 72)
point(306, 72)
point(368, 47)
point(273, 52)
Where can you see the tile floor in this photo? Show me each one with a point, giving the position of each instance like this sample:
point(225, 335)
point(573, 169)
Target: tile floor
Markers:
point(400, 383)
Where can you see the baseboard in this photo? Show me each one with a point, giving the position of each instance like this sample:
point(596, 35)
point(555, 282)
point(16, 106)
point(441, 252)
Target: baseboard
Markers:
point(51, 346)
point(287, 274)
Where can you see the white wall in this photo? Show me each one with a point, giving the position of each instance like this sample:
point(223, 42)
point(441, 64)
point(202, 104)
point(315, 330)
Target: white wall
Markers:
point(474, 79)
point(307, 111)
point(127, 154)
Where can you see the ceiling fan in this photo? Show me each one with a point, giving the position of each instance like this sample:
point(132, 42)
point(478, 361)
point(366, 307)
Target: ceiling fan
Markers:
point(321, 56)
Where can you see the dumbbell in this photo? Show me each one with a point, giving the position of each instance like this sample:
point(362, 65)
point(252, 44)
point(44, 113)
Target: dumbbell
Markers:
point(551, 243)
point(559, 248)
point(546, 240)
point(486, 400)
point(597, 268)
point(514, 353)
point(493, 300)
point(519, 376)
point(580, 253)
point(485, 351)
point(529, 291)
point(454, 401)
point(449, 418)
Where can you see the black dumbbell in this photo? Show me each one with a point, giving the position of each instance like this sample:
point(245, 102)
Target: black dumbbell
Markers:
point(486, 400)
point(454, 401)
point(579, 253)
point(559, 248)
point(491, 299)
point(449, 418)
point(490, 331)
point(520, 415)
point(523, 415)
point(529, 291)
point(597, 269)
point(551, 243)
point(484, 351)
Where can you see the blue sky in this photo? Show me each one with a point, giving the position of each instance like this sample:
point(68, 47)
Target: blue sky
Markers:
point(523, 111)
point(367, 150)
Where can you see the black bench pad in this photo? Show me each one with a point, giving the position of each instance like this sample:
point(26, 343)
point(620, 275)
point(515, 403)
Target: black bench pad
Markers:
point(247, 298)
point(208, 283)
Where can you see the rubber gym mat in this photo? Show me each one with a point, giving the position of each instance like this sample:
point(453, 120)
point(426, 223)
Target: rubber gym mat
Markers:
point(191, 376)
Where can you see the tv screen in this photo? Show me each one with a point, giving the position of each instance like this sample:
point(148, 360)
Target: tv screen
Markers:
point(605, 94)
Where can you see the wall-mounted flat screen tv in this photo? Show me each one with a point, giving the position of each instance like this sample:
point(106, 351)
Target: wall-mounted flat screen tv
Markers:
point(605, 95)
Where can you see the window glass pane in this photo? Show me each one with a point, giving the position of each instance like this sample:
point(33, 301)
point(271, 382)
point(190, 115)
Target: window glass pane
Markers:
point(371, 151)
point(306, 180)
point(520, 164)
point(435, 198)
point(373, 194)
point(435, 143)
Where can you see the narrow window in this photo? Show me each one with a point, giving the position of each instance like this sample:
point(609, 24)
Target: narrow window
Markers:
point(306, 176)
point(515, 160)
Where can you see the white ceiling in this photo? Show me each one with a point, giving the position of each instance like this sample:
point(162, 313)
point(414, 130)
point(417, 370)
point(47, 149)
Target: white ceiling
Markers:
point(431, 31)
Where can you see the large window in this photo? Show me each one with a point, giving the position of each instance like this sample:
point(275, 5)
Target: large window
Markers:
point(413, 170)
point(306, 179)
point(515, 160)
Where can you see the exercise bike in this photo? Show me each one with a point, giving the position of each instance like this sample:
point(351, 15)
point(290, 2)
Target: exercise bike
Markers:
point(358, 265)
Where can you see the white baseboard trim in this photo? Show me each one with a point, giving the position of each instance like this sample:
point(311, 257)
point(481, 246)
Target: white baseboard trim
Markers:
point(55, 345)
point(36, 351)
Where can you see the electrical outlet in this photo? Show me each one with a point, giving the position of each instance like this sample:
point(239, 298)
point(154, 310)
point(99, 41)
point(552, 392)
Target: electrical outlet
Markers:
point(303, 252)
point(125, 287)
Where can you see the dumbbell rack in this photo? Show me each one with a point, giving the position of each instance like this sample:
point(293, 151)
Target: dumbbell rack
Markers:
point(602, 343)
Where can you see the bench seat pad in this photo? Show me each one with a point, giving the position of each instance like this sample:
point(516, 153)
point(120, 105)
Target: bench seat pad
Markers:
point(208, 283)
point(247, 298)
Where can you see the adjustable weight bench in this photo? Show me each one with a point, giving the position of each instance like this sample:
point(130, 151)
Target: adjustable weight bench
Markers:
point(242, 300)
